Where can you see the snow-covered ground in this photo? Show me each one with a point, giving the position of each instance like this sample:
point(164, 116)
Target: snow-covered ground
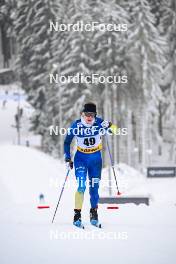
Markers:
point(132, 234)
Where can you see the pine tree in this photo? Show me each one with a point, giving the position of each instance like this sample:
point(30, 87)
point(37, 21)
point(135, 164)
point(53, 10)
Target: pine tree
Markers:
point(6, 9)
point(146, 51)
point(146, 46)
point(168, 28)
point(73, 55)
point(34, 38)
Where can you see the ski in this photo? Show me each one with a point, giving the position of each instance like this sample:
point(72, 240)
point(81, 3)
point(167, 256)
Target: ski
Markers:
point(81, 226)
point(98, 225)
point(78, 224)
point(95, 223)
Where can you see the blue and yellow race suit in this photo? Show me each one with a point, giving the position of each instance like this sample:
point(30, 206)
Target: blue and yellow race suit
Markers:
point(87, 160)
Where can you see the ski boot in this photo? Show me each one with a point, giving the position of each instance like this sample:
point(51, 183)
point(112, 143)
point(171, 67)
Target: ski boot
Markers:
point(77, 218)
point(94, 217)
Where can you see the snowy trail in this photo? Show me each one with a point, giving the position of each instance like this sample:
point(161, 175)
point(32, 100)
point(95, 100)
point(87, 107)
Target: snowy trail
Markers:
point(132, 234)
point(15, 98)
point(32, 239)
point(7, 133)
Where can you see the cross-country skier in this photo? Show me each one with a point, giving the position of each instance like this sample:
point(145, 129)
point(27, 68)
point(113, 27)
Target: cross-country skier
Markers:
point(88, 131)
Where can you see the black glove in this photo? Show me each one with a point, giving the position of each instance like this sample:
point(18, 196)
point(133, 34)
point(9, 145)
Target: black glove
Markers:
point(69, 163)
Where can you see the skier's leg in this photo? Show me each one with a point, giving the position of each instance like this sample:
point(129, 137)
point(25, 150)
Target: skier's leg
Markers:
point(80, 173)
point(93, 191)
point(94, 171)
point(94, 197)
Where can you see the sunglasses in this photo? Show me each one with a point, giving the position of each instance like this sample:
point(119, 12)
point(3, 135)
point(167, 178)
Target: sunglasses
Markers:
point(89, 114)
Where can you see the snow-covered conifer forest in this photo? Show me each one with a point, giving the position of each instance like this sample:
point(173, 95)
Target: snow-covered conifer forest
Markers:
point(145, 53)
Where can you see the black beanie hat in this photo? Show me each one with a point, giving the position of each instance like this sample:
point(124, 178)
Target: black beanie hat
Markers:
point(90, 107)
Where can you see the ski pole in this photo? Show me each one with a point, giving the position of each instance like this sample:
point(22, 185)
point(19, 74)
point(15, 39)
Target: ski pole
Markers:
point(112, 164)
point(61, 194)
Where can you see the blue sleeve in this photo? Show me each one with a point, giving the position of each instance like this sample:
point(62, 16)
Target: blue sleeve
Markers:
point(68, 139)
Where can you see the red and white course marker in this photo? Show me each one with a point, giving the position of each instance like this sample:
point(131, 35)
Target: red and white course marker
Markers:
point(43, 206)
point(112, 207)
